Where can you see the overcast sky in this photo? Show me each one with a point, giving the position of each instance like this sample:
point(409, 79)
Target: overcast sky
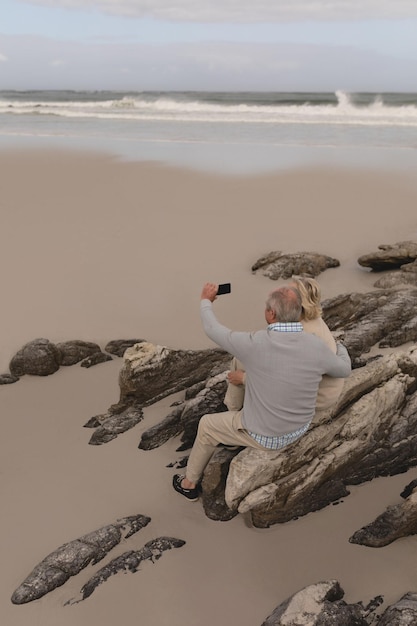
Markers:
point(275, 45)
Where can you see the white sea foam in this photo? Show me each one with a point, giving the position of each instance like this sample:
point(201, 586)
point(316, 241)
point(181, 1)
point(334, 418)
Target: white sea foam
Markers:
point(165, 108)
point(220, 131)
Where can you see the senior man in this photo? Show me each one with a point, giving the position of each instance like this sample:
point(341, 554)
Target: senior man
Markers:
point(284, 366)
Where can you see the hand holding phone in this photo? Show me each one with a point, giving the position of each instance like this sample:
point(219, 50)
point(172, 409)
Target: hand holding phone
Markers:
point(224, 288)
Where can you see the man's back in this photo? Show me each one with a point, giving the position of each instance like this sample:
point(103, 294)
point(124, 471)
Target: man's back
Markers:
point(283, 372)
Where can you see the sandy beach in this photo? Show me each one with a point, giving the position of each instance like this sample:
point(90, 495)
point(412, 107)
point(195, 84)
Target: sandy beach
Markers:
point(97, 249)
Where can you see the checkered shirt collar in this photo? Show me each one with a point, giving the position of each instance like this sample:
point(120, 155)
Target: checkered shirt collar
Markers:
point(286, 327)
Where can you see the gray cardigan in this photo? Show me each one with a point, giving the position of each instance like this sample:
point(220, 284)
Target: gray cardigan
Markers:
point(283, 372)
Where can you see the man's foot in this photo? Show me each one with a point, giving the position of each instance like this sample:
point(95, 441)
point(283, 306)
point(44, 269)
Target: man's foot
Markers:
point(190, 494)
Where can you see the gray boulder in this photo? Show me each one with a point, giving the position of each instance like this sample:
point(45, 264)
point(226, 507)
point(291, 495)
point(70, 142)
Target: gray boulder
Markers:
point(119, 346)
point(39, 357)
point(95, 359)
point(76, 350)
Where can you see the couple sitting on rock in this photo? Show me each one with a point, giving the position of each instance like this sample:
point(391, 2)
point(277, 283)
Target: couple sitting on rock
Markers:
point(280, 377)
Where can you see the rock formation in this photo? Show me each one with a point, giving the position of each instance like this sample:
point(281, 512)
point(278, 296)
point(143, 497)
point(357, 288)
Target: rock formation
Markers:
point(130, 561)
point(399, 520)
point(369, 432)
point(7, 379)
point(95, 359)
point(119, 346)
point(151, 372)
point(72, 557)
point(39, 357)
point(75, 351)
point(213, 484)
point(405, 276)
point(109, 425)
point(186, 415)
point(278, 265)
point(402, 613)
point(390, 256)
point(386, 316)
point(320, 604)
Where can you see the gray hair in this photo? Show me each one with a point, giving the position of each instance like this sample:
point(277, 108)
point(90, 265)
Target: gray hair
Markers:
point(285, 302)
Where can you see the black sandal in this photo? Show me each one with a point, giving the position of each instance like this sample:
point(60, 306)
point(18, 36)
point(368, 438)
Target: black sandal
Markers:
point(190, 494)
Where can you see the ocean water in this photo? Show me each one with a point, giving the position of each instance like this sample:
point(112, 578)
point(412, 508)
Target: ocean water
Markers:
point(226, 132)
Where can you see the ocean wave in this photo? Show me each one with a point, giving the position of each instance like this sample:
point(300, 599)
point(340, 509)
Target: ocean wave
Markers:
point(340, 109)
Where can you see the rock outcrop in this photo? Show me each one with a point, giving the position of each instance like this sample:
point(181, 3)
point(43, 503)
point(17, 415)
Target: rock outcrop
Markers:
point(369, 432)
point(95, 359)
point(406, 276)
point(386, 316)
point(72, 557)
point(41, 357)
point(320, 604)
point(119, 346)
point(213, 484)
point(130, 561)
point(111, 424)
point(151, 372)
point(185, 416)
point(277, 265)
point(402, 613)
point(7, 379)
point(76, 350)
point(390, 256)
point(399, 520)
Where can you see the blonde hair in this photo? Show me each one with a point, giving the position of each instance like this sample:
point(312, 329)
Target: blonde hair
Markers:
point(310, 293)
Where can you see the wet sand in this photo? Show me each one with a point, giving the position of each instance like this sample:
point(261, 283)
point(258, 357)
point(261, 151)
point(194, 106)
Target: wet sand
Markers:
point(96, 249)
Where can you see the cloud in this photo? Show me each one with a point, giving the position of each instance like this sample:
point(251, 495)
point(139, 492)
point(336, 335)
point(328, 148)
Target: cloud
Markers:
point(57, 63)
point(3, 58)
point(244, 11)
point(194, 66)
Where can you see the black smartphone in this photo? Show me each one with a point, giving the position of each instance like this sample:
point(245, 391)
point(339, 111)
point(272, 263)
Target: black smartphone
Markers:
point(224, 288)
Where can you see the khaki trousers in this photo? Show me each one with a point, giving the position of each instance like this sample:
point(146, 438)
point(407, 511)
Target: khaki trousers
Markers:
point(215, 428)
